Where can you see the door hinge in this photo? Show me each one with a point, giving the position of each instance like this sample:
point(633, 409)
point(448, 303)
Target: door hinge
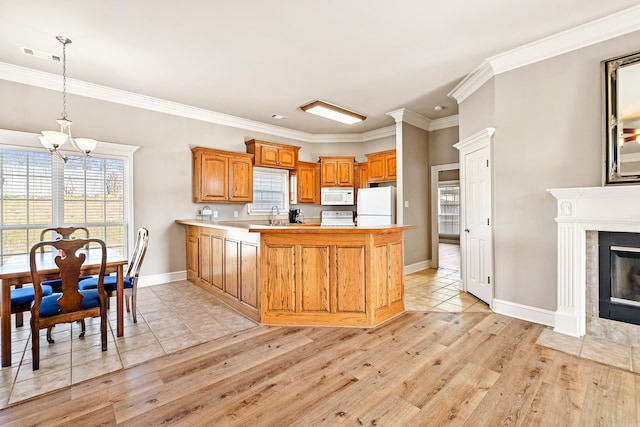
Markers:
point(487, 221)
point(488, 280)
point(487, 162)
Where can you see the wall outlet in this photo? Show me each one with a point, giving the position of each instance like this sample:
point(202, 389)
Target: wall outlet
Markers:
point(406, 205)
point(215, 214)
point(235, 214)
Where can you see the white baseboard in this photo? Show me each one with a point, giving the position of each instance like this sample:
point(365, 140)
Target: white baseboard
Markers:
point(524, 312)
point(408, 269)
point(157, 279)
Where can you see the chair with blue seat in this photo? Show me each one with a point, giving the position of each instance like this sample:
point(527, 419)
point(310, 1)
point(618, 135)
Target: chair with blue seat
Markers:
point(71, 304)
point(131, 277)
point(61, 233)
point(21, 299)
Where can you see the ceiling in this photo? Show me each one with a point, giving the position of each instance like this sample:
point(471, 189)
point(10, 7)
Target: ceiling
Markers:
point(255, 58)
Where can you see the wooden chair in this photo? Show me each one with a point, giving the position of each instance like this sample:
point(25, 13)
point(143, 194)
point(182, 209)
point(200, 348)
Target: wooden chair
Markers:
point(63, 232)
point(131, 276)
point(71, 304)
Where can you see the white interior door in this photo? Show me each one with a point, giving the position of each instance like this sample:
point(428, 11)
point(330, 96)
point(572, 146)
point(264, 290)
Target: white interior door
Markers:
point(476, 201)
point(477, 232)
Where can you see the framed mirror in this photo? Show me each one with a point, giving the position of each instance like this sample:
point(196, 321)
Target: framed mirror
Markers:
point(622, 119)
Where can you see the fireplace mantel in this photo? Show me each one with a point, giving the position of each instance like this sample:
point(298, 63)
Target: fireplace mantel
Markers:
point(580, 210)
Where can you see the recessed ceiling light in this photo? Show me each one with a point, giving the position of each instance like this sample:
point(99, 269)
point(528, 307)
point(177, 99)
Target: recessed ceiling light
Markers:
point(278, 116)
point(438, 108)
point(41, 55)
point(333, 112)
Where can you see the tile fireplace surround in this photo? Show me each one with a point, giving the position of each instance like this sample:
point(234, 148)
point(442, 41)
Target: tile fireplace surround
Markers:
point(582, 212)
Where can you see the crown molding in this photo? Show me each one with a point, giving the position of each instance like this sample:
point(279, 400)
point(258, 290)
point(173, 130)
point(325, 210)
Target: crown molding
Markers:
point(411, 117)
point(605, 28)
point(50, 81)
point(472, 82)
point(445, 122)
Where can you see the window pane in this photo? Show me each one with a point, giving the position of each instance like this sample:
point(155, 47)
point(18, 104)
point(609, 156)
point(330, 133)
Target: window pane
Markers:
point(270, 188)
point(449, 209)
point(40, 191)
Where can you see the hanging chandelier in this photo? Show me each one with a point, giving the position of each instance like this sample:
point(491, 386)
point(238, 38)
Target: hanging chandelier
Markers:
point(53, 140)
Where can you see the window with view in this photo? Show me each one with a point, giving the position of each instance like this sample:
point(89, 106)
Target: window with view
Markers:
point(270, 188)
point(39, 191)
point(449, 209)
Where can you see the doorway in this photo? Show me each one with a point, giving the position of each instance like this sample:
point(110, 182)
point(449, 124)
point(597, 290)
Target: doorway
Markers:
point(445, 216)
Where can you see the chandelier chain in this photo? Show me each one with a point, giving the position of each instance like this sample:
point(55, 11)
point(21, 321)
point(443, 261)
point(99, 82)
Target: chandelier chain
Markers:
point(64, 80)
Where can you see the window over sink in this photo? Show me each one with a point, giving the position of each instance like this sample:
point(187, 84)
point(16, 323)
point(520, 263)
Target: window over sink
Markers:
point(270, 188)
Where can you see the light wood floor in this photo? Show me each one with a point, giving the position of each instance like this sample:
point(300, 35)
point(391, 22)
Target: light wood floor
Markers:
point(475, 369)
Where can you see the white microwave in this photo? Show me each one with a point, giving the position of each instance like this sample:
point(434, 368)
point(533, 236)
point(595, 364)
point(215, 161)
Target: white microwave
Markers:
point(334, 196)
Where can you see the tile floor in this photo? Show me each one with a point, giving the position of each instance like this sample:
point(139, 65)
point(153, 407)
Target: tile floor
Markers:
point(178, 315)
point(171, 317)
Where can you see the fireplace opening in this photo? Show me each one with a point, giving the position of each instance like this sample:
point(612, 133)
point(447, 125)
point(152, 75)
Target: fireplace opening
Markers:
point(619, 290)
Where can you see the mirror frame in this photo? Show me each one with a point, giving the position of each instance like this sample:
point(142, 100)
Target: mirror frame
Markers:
point(611, 87)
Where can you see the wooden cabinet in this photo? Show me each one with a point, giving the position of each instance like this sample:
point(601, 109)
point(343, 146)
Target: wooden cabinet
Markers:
point(225, 263)
point(382, 166)
point(272, 154)
point(308, 182)
point(222, 176)
point(337, 171)
point(361, 178)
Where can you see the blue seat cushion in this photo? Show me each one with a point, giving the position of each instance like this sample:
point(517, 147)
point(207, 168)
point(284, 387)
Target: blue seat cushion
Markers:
point(50, 306)
point(57, 283)
point(21, 296)
point(109, 283)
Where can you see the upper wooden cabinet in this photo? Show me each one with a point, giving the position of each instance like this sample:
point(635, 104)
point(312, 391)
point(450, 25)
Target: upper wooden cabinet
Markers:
point(362, 178)
point(272, 154)
point(337, 171)
point(308, 182)
point(382, 166)
point(222, 176)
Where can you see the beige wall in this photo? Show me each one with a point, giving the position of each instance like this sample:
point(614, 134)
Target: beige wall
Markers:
point(162, 165)
point(441, 150)
point(416, 176)
point(548, 134)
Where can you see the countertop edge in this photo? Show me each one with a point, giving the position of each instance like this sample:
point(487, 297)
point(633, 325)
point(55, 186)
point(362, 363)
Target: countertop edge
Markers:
point(266, 229)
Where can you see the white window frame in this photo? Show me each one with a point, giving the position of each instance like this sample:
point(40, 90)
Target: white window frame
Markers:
point(16, 140)
point(253, 210)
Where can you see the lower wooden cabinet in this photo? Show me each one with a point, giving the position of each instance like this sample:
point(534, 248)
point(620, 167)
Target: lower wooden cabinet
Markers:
point(301, 275)
point(226, 263)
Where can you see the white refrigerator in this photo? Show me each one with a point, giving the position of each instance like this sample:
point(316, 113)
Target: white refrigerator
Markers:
point(376, 206)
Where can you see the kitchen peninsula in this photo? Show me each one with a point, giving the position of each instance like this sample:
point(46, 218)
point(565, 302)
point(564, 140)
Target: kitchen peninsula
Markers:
point(300, 274)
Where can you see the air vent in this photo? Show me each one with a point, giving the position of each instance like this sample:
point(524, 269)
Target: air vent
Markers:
point(41, 55)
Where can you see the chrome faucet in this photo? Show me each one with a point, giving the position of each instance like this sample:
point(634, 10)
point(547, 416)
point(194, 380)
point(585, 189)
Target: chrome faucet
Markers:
point(272, 217)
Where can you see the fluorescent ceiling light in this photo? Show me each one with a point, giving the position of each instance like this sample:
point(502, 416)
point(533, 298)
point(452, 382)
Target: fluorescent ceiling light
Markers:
point(333, 112)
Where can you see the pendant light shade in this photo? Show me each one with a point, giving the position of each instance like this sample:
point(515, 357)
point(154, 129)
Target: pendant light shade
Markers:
point(53, 140)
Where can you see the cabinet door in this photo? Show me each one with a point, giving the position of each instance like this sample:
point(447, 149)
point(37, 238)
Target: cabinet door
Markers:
point(287, 158)
point(314, 280)
point(213, 178)
point(390, 163)
point(268, 155)
point(345, 173)
point(376, 168)
point(249, 282)
point(192, 257)
point(231, 263)
point(329, 173)
point(240, 180)
point(308, 183)
point(279, 270)
point(204, 257)
point(217, 262)
point(350, 279)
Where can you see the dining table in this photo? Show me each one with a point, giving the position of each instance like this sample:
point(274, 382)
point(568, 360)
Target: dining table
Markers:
point(15, 272)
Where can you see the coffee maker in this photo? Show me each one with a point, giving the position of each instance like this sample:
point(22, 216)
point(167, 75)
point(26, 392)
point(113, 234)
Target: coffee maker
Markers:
point(295, 216)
